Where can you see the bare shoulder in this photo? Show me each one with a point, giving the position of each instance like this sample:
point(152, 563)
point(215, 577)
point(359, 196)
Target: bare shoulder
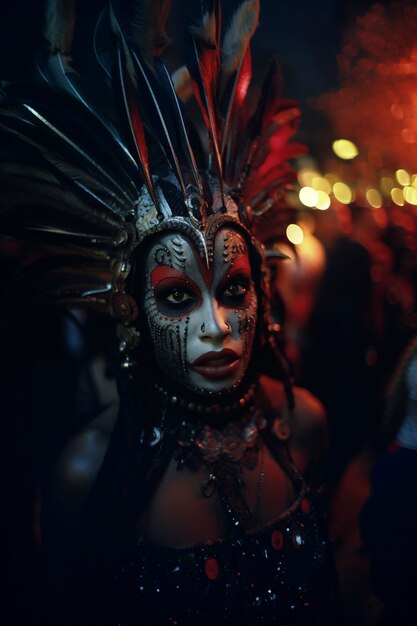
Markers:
point(80, 462)
point(308, 415)
point(308, 412)
point(306, 424)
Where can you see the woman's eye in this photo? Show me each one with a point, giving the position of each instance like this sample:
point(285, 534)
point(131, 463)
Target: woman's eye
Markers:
point(177, 296)
point(174, 301)
point(235, 290)
point(235, 293)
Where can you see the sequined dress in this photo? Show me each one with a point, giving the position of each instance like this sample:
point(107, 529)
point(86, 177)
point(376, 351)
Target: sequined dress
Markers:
point(282, 573)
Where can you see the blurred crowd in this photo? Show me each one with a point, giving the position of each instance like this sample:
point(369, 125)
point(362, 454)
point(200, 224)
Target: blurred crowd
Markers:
point(350, 301)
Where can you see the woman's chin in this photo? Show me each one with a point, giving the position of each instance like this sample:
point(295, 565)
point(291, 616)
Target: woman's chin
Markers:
point(205, 386)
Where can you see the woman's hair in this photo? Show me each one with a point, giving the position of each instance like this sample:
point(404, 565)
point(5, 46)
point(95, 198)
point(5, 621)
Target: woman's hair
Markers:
point(396, 397)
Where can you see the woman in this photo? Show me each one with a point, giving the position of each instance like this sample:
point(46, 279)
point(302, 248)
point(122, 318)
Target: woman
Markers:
point(190, 507)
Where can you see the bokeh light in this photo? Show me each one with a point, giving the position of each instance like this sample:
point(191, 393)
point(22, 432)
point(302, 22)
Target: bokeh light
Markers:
point(331, 178)
point(295, 234)
point(375, 106)
point(387, 184)
point(306, 176)
point(403, 177)
point(321, 184)
point(323, 201)
point(342, 192)
point(410, 195)
point(374, 198)
point(308, 196)
point(345, 149)
point(397, 196)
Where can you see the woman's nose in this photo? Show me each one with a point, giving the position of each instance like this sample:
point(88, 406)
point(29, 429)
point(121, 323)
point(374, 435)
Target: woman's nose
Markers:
point(214, 325)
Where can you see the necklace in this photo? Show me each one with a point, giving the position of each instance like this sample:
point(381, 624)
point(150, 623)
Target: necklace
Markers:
point(213, 406)
point(199, 443)
point(234, 446)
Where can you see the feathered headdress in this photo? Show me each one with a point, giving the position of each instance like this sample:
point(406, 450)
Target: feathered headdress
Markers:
point(90, 181)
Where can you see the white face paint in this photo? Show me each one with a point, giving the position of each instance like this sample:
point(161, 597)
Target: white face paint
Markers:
point(202, 321)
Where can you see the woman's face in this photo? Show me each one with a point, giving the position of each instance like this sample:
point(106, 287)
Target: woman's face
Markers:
point(201, 320)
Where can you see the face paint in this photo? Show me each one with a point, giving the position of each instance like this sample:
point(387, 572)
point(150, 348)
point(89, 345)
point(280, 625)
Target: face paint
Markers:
point(201, 320)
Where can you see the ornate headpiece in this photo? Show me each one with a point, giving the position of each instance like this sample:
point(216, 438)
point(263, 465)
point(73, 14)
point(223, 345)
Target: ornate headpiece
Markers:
point(89, 173)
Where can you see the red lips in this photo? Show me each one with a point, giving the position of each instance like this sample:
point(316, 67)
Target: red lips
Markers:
point(217, 364)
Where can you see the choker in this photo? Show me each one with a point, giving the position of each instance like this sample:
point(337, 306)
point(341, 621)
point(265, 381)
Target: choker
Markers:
point(209, 408)
point(237, 441)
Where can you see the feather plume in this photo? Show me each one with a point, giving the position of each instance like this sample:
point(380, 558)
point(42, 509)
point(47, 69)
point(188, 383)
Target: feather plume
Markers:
point(40, 132)
point(126, 89)
point(158, 120)
point(182, 83)
point(272, 144)
point(234, 102)
point(184, 141)
point(206, 30)
point(57, 72)
point(101, 39)
point(59, 25)
point(238, 36)
point(204, 65)
point(40, 156)
point(236, 62)
point(258, 123)
point(147, 28)
point(160, 123)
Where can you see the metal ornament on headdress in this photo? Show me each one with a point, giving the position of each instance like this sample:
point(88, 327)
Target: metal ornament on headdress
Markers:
point(89, 183)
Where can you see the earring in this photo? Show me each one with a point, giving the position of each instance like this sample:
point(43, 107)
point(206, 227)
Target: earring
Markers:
point(129, 342)
point(203, 328)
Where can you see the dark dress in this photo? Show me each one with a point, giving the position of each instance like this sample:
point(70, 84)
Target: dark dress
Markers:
point(282, 573)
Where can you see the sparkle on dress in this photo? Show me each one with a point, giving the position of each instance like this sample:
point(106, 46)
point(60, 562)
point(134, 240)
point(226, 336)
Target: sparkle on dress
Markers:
point(282, 574)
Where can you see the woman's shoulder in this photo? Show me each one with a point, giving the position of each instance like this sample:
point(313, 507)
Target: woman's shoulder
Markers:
point(308, 412)
point(305, 426)
point(80, 462)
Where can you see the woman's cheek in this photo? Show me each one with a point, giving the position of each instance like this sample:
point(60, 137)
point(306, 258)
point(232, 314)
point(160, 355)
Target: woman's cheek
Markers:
point(170, 338)
point(247, 319)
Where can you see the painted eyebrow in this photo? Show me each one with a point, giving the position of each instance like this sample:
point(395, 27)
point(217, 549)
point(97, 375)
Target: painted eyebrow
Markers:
point(165, 272)
point(241, 266)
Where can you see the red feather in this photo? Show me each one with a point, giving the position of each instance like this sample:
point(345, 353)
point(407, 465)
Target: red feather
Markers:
point(241, 82)
point(204, 69)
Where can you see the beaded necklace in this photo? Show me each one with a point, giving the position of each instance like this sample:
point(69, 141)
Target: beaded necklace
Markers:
point(224, 437)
